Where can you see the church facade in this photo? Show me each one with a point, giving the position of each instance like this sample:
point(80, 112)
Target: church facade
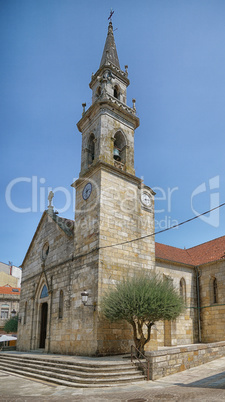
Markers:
point(70, 264)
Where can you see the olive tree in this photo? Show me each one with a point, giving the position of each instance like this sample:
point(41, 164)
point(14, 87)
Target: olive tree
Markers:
point(142, 301)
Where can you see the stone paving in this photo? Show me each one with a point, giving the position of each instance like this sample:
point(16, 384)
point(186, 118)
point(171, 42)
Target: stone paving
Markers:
point(202, 383)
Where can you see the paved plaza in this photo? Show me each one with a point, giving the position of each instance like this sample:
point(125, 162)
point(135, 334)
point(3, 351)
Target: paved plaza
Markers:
point(202, 383)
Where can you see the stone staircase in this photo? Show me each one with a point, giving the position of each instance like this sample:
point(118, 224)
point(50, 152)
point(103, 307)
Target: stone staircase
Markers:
point(79, 374)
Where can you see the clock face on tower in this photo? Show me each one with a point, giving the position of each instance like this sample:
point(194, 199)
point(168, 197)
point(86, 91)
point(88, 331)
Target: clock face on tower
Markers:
point(87, 191)
point(146, 199)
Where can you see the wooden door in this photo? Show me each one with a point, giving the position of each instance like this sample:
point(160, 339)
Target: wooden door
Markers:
point(44, 317)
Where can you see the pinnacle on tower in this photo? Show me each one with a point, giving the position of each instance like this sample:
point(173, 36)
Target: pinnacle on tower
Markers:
point(110, 52)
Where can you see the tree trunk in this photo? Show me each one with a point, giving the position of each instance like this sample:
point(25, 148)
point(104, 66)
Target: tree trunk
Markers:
point(140, 346)
point(140, 341)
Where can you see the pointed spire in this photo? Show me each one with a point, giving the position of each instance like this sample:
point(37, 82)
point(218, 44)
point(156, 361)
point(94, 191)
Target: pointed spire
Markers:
point(109, 52)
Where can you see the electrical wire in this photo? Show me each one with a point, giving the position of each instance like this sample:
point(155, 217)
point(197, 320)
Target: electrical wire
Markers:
point(163, 230)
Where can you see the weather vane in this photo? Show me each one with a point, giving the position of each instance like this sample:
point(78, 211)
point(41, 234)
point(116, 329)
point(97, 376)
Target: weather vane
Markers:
point(110, 15)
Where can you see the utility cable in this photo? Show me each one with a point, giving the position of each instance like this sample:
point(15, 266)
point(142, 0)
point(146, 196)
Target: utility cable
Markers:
point(163, 230)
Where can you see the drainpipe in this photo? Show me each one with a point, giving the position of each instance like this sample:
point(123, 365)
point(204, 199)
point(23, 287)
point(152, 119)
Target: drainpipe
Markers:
point(32, 318)
point(198, 304)
point(50, 315)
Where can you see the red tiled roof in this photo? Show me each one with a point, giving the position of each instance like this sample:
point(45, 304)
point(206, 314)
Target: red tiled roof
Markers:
point(172, 254)
point(213, 250)
point(9, 290)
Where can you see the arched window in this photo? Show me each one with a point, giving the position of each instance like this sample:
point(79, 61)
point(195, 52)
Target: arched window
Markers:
point(25, 313)
point(61, 304)
point(91, 149)
point(116, 93)
point(98, 92)
point(215, 291)
point(183, 289)
point(44, 292)
point(45, 251)
point(119, 151)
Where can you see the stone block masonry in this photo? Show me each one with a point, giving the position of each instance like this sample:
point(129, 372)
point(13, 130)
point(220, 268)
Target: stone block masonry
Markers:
point(173, 360)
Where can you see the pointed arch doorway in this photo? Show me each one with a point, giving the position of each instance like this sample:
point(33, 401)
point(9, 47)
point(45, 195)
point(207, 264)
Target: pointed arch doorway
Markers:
point(44, 320)
point(43, 316)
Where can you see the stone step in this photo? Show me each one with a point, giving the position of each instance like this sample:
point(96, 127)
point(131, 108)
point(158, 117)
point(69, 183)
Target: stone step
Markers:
point(89, 373)
point(72, 373)
point(68, 381)
point(86, 363)
point(70, 365)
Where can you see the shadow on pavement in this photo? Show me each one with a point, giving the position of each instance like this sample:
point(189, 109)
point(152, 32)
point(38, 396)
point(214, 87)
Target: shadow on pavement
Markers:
point(216, 381)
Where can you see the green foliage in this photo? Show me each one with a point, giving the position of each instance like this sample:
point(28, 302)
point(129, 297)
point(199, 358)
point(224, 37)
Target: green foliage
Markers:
point(144, 297)
point(11, 325)
point(142, 300)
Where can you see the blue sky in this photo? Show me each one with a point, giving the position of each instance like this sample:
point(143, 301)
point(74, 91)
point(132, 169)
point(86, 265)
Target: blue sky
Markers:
point(175, 50)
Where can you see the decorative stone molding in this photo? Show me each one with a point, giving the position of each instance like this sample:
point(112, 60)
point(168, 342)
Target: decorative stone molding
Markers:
point(106, 96)
point(119, 165)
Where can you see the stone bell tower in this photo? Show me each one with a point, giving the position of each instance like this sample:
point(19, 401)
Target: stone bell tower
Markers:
point(108, 125)
point(114, 209)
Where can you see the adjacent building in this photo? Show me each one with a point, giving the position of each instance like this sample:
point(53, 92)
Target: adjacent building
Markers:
point(10, 281)
point(10, 275)
point(9, 303)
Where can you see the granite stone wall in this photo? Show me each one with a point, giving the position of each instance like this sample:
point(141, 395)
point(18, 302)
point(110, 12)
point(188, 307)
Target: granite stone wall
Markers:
point(174, 360)
point(212, 307)
point(184, 330)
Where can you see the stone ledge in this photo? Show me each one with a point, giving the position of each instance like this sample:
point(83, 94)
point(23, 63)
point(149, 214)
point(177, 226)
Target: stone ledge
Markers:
point(175, 359)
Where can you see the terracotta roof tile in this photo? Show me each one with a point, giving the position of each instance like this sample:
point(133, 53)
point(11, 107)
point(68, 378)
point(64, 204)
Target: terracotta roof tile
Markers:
point(9, 290)
point(172, 254)
point(213, 250)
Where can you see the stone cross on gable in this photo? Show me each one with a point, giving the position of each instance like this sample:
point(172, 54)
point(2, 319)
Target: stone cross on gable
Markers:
point(50, 197)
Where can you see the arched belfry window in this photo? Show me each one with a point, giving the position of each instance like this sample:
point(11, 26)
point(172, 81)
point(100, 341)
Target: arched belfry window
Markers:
point(91, 149)
point(44, 292)
point(183, 289)
point(119, 151)
point(61, 304)
point(98, 92)
point(116, 92)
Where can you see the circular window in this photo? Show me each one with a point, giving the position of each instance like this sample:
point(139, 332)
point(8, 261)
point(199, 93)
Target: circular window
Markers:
point(45, 251)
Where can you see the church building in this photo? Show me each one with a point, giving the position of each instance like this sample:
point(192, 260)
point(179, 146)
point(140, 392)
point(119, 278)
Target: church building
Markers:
point(70, 264)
